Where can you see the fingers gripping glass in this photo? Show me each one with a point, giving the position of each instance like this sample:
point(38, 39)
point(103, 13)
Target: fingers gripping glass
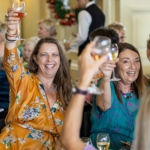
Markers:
point(103, 141)
point(113, 54)
point(102, 47)
point(19, 8)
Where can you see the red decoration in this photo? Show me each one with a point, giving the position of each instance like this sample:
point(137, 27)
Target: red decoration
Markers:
point(56, 16)
point(67, 16)
point(52, 6)
point(47, 1)
point(52, 1)
point(72, 14)
point(73, 19)
point(53, 10)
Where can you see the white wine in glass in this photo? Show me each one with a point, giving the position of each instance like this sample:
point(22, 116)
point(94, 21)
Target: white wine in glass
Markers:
point(103, 145)
point(19, 8)
point(113, 54)
point(103, 141)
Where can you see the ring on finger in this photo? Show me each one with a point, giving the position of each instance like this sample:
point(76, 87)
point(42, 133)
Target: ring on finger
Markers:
point(6, 16)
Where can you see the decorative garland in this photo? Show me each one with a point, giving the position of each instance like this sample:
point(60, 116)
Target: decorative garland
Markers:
point(67, 16)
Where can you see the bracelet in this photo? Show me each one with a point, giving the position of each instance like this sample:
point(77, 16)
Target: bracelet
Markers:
point(12, 35)
point(11, 41)
point(78, 91)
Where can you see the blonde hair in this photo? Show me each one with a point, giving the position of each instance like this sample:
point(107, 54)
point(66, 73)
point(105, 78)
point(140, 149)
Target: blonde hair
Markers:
point(3, 28)
point(142, 131)
point(31, 40)
point(117, 26)
point(50, 25)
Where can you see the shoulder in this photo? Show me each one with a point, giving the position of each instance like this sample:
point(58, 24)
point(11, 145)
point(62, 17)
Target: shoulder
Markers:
point(83, 13)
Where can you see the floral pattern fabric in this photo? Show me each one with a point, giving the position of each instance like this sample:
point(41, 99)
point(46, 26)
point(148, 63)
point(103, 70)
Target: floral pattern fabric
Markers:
point(29, 122)
point(118, 121)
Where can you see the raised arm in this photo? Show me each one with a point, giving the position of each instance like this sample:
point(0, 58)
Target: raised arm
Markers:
point(13, 68)
point(103, 101)
point(71, 127)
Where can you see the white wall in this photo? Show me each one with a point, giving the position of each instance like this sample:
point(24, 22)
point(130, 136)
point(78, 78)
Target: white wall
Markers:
point(135, 15)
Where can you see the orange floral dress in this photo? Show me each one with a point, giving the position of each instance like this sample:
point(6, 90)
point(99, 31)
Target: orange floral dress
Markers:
point(29, 122)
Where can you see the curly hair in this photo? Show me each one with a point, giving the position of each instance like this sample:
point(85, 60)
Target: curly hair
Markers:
point(62, 78)
point(104, 31)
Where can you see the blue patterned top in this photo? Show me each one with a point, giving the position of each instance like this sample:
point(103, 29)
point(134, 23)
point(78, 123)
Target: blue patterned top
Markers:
point(118, 121)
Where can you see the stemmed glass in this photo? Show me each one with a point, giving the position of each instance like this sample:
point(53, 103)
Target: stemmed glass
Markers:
point(102, 47)
point(113, 54)
point(103, 141)
point(19, 8)
point(87, 140)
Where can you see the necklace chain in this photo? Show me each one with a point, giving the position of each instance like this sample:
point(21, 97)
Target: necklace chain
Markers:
point(46, 86)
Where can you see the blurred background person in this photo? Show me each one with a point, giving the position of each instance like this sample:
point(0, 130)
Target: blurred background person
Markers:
point(47, 28)
point(114, 112)
point(71, 128)
point(120, 30)
point(28, 47)
point(89, 19)
point(142, 130)
point(148, 48)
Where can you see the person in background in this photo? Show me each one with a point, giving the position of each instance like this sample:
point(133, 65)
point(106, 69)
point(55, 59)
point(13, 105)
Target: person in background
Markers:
point(71, 127)
point(120, 30)
point(47, 28)
point(148, 48)
point(90, 18)
point(4, 85)
point(142, 130)
point(28, 47)
point(114, 112)
point(38, 96)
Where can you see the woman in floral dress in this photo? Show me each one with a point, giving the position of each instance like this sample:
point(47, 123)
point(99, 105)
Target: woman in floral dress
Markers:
point(38, 97)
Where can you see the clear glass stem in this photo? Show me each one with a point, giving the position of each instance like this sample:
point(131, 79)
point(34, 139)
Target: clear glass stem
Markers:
point(113, 74)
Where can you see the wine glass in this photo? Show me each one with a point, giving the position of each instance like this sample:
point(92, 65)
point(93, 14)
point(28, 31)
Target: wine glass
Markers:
point(113, 54)
point(102, 47)
point(87, 140)
point(19, 8)
point(103, 141)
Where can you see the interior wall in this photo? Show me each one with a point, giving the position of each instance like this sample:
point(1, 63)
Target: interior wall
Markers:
point(4, 5)
point(135, 15)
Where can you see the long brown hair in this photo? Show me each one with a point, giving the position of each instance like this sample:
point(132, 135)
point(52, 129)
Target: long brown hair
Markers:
point(142, 130)
point(140, 83)
point(62, 78)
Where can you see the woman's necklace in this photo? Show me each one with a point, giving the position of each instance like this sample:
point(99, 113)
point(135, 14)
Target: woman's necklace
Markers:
point(125, 96)
point(46, 86)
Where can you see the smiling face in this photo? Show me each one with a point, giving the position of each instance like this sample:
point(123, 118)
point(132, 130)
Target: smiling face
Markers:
point(48, 60)
point(128, 66)
point(27, 51)
point(42, 32)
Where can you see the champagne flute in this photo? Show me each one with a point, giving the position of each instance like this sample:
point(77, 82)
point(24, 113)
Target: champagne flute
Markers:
point(87, 140)
point(19, 8)
point(102, 47)
point(103, 141)
point(113, 54)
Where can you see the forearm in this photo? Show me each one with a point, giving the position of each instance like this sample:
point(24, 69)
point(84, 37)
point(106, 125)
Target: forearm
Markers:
point(11, 45)
point(73, 123)
point(103, 101)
